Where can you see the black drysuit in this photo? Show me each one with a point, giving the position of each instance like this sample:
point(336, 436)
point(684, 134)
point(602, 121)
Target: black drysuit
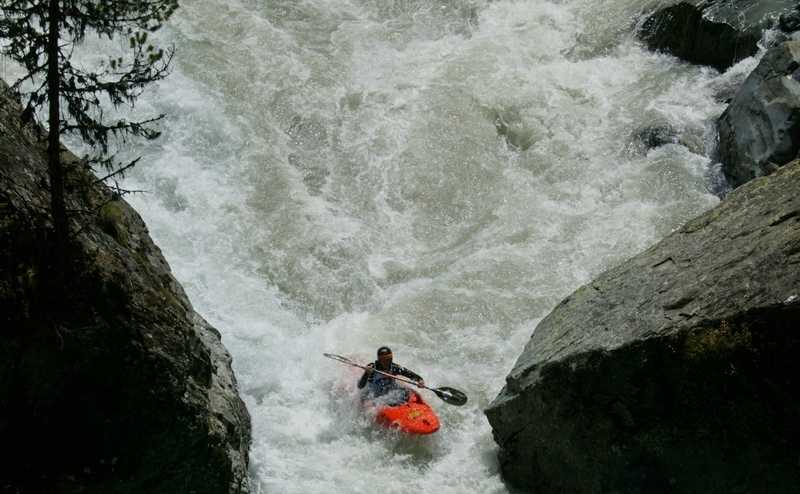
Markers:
point(380, 384)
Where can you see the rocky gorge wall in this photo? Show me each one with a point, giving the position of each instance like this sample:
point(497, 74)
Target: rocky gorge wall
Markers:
point(110, 382)
point(676, 372)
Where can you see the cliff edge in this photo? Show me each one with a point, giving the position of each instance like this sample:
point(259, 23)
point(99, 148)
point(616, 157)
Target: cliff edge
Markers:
point(110, 382)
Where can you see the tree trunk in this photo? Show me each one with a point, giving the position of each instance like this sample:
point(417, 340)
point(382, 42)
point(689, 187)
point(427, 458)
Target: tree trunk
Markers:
point(57, 203)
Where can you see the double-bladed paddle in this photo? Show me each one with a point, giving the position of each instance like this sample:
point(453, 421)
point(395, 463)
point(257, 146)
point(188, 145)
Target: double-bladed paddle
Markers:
point(449, 395)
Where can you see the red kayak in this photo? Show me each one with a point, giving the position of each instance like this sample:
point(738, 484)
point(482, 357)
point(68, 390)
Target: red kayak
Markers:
point(402, 408)
point(413, 417)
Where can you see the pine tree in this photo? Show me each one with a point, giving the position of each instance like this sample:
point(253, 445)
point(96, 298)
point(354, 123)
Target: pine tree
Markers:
point(41, 35)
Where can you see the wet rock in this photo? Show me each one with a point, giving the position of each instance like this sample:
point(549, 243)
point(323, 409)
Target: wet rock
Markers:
point(653, 136)
point(708, 33)
point(760, 129)
point(511, 126)
point(676, 371)
point(790, 22)
point(110, 382)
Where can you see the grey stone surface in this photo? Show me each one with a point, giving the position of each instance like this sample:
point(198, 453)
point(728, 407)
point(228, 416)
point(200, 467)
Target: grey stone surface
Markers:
point(760, 129)
point(676, 371)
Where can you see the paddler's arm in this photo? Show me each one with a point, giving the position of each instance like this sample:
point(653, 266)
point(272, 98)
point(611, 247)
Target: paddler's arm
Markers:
point(365, 377)
point(407, 373)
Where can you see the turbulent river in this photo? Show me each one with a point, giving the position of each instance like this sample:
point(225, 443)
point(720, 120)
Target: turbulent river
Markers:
point(431, 175)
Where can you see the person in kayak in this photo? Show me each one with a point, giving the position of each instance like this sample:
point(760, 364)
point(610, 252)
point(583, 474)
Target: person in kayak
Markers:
point(379, 384)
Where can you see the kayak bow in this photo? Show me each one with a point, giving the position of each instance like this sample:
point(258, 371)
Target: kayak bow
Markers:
point(413, 417)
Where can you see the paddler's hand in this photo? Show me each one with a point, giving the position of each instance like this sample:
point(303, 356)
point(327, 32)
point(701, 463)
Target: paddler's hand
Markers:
point(369, 369)
point(421, 383)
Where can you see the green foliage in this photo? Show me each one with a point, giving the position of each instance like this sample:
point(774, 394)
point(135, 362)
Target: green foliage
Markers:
point(25, 25)
point(113, 222)
point(719, 341)
point(41, 35)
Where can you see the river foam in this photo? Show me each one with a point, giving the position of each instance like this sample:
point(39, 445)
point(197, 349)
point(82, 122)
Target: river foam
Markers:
point(430, 175)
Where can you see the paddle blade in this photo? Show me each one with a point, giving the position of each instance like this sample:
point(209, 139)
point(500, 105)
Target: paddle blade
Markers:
point(450, 395)
point(337, 357)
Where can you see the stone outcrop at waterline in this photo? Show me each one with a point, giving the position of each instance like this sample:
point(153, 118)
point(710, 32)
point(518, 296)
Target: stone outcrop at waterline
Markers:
point(109, 381)
point(717, 33)
point(675, 372)
point(760, 130)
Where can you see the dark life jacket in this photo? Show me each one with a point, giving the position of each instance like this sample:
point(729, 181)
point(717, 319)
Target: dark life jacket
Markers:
point(381, 380)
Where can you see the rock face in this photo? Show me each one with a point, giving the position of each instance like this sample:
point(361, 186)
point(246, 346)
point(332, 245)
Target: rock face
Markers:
point(708, 33)
point(109, 381)
point(718, 33)
point(676, 372)
point(760, 129)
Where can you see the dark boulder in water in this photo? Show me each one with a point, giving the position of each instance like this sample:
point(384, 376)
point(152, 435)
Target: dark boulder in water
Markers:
point(790, 22)
point(109, 381)
point(760, 129)
point(653, 136)
point(674, 372)
point(701, 34)
point(718, 33)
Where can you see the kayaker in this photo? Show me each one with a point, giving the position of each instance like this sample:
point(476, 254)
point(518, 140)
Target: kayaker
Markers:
point(380, 384)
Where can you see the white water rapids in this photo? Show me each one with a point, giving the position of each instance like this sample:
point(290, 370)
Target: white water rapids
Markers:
point(431, 175)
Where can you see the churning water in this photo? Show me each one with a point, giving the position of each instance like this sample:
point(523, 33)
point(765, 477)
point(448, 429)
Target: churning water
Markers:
point(431, 175)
